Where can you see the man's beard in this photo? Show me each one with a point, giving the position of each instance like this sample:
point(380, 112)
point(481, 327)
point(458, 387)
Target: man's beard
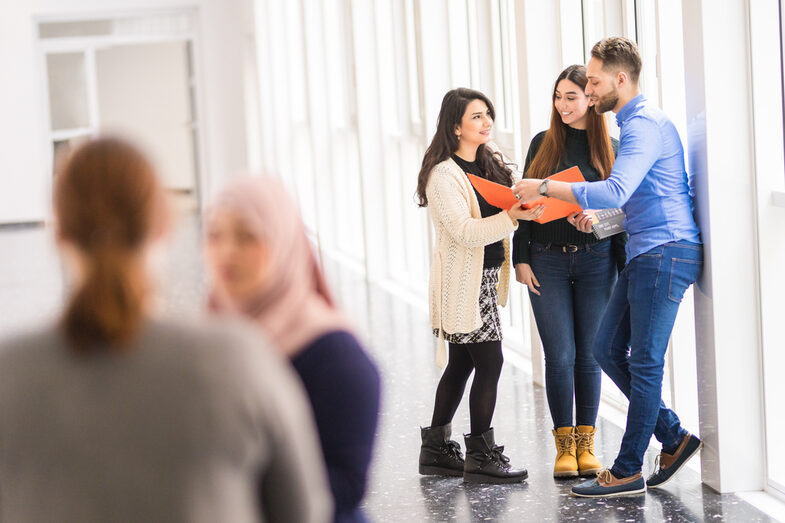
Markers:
point(607, 102)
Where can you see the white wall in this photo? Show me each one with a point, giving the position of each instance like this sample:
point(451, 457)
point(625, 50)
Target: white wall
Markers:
point(143, 93)
point(24, 151)
point(23, 170)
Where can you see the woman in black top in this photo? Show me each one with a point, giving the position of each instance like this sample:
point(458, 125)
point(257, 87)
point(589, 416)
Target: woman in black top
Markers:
point(570, 274)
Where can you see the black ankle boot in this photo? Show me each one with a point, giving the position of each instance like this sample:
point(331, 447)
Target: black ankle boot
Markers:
point(485, 462)
point(438, 454)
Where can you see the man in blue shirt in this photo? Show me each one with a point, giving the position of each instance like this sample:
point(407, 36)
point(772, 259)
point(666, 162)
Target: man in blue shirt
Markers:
point(649, 182)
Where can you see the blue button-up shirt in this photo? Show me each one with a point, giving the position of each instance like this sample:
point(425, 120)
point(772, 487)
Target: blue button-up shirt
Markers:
point(648, 181)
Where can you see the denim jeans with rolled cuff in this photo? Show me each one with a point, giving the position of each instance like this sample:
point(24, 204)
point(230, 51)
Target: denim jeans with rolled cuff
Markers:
point(633, 338)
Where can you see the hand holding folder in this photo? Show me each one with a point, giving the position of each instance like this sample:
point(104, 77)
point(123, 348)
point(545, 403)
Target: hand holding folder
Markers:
point(502, 196)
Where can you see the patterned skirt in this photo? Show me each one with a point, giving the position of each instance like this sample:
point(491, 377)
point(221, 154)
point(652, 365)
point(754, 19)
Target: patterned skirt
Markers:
point(491, 329)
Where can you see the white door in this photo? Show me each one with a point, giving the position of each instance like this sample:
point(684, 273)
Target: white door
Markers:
point(144, 94)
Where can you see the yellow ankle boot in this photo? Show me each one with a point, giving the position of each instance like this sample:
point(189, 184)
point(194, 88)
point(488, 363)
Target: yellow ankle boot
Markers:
point(566, 464)
point(588, 464)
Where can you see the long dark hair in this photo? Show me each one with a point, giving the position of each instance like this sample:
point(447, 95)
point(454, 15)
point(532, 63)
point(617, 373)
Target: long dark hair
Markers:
point(553, 145)
point(108, 203)
point(445, 142)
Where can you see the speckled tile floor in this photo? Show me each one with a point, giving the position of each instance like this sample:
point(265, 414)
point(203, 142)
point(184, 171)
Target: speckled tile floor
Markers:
point(398, 338)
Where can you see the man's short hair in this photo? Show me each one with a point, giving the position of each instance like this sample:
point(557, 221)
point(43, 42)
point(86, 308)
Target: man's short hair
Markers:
point(620, 53)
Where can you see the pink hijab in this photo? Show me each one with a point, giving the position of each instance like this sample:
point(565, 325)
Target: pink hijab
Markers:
point(294, 306)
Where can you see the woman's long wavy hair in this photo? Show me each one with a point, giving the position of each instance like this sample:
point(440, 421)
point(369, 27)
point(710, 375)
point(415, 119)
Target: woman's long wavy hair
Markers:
point(445, 142)
point(553, 145)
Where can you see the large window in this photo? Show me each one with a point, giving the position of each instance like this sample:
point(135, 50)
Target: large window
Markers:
point(502, 17)
point(771, 180)
point(510, 50)
point(412, 54)
point(345, 164)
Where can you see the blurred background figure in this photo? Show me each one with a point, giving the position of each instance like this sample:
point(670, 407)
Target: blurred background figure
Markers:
point(114, 415)
point(264, 268)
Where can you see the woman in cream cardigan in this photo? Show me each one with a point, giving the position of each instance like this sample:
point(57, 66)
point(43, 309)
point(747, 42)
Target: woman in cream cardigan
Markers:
point(469, 276)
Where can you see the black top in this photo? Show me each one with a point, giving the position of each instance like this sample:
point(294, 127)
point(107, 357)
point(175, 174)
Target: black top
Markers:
point(343, 386)
point(494, 252)
point(560, 231)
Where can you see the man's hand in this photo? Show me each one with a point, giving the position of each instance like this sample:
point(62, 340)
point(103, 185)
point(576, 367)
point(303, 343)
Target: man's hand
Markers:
point(580, 221)
point(527, 189)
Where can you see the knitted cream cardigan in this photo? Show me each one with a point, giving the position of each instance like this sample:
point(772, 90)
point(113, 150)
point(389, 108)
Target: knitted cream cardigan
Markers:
point(461, 236)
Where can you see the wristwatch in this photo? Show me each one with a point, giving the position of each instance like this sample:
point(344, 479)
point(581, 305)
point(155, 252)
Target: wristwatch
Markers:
point(543, 189)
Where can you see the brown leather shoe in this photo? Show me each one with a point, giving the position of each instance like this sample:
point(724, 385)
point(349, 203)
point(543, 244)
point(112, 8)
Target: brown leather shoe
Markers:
point(606, 479)
point(669, 464)
point(606, 485)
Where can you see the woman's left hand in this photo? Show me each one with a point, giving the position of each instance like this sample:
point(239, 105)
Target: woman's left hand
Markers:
point(518, 212)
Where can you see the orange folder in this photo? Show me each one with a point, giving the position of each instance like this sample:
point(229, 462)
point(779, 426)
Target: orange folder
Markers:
point(502, 196)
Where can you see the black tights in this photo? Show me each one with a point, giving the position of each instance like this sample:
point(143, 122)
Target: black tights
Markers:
point(486, 360)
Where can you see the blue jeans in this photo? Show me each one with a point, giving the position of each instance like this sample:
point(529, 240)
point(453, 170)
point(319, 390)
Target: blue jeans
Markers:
point(633, 338)
point(574, 290)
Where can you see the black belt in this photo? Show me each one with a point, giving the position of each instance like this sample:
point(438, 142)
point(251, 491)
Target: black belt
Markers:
point(565, 247)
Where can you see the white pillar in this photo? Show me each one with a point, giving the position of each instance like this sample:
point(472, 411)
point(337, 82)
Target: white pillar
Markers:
point(720, 134)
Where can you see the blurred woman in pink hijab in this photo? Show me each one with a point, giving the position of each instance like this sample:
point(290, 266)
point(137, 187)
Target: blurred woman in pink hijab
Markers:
point(263, 267)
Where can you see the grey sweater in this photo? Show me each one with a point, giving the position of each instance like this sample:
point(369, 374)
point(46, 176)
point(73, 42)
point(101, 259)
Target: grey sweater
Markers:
point(195, 423)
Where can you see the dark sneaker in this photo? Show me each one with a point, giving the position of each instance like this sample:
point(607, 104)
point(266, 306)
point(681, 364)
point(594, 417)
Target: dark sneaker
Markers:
point(669, 464)
point(606, 485)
